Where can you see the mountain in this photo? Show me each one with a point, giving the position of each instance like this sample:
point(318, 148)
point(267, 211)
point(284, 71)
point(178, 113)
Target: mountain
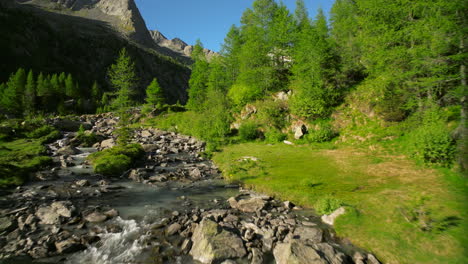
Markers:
point(177, 45)
point(83, 37)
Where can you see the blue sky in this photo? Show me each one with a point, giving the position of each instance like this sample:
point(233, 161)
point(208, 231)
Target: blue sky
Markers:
point(208, 20)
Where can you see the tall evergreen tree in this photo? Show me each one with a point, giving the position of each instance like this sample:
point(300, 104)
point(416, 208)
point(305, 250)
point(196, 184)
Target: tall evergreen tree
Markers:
point(154, 94)
point(123, 77)
point(12, 97)
point(198, 79)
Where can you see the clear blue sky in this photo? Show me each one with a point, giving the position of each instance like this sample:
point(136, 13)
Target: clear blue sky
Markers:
point(208, 20)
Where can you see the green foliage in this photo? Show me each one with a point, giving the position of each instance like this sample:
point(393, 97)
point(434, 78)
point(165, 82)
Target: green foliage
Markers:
point(322, 132)
point(272, 113)
point(274, 136)
point(154, 94)
point(430, 142)
point(198, 82)
point(327, 204)
point(116, 160)
point(86, 139)
point(122, 76)
point(12, 95)
point(41, 132)
point(249, 131)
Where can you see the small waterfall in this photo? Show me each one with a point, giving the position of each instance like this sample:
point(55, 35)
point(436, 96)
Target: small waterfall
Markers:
point(123, 247)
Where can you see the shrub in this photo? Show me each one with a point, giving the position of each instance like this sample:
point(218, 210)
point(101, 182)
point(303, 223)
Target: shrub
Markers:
point(327, 204)
point(272, 113)
point(248, 131)
point(274, 136)
point(430, 142)
point(323, 132)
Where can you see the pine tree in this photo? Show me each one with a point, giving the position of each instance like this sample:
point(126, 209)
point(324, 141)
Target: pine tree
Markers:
point(230, 53)
point(29, 99)
point(12, 97)
point(198, 79)
point(154, 94)
point(70, 87)
point(123, 78)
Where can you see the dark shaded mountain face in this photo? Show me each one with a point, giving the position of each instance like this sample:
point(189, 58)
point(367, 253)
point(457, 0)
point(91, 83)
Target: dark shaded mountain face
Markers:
point(84, 37)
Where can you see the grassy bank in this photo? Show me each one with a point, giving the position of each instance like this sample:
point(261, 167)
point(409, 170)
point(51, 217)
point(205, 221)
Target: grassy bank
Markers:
point(400, 211)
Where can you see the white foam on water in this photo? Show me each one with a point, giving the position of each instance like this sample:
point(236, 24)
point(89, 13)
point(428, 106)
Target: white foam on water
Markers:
point(115, 248)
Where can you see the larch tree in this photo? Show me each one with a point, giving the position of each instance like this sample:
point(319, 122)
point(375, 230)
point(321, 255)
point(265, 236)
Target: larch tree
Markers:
point(198, 79)
point(29, 98)
point(154, 94)
point(123, 77)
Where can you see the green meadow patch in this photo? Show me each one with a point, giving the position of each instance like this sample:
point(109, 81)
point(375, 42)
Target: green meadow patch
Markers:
point(402, 212)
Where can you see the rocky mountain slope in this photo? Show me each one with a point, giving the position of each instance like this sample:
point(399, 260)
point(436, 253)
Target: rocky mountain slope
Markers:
point(83, 37)
point(177, 45)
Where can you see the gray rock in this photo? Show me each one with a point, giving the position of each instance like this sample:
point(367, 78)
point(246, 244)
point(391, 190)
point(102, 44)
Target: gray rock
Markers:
point(111, 213)
point(7, 224)
point(172, 229)
point(299, 131)
point(108, 143)
point(249, 205)
point(330, 219)
point(312, 234)
point(371, 259)
point(195, 173)
point(298, 253)
point(257, 256)
point(212, 244)
point(68, 246)
point(38, 252)
point(50, 215)
point(96, 217)
point(68, 150)
point(82, 183)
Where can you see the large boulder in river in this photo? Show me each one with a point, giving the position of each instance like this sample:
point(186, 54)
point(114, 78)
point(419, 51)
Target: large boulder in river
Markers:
point(108, 143)
point(296, 252)
point(250, 205)
point(212, 244)
point(68, 150)
point(50, 215)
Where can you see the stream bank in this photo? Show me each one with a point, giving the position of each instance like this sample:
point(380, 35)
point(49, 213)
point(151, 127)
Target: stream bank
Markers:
point(174, 207)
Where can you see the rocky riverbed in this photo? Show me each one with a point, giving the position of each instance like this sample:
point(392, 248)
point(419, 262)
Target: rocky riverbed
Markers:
point(173, 207)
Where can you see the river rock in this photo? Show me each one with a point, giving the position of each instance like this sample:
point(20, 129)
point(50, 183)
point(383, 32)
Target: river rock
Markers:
point(50, 215)
point(68, 150)
point(82, 183)
point(249, 205)
point(172, 229)
point(298, 253)
point(7, 224)
point(96, 217)
point(108, 143)
point(212, 244)
point(330, 219)
point(312, 234)
point(68, 246)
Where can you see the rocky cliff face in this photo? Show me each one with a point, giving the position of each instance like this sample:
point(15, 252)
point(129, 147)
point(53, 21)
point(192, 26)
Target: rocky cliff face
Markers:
point(177, 45)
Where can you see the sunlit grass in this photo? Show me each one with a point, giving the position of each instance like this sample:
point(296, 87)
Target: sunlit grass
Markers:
point(382, 188)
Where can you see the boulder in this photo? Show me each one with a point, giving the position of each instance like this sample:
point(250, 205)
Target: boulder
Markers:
point(7, 224)
point(212, 244)
point(298, 253)
point(146, 134)
point(299, 131)
point(82, 183)
point(108, 143)
point(50, 215)
point(68, 246)
point(172, 229)
point(330, 219)
point(150, 147)
point(96, 217)
point(249, 205)
point(312, 234)
point(68, 150)
point(195, 173)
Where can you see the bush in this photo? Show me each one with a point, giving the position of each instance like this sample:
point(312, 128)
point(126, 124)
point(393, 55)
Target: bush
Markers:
point(116, 160)
point(248, 131)
point(430, 142)
point(272, 113)
point(327, 204)
point(274, 136)
point(86, 139)
point(323, 132)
